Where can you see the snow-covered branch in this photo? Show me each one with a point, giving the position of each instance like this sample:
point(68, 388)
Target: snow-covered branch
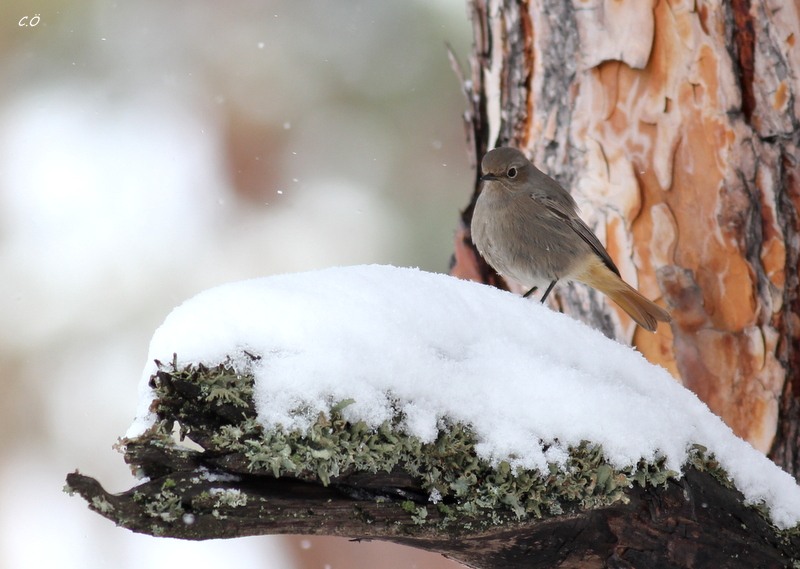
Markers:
point(377, 402)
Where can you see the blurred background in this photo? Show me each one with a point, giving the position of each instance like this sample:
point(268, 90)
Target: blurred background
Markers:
point(150, 150)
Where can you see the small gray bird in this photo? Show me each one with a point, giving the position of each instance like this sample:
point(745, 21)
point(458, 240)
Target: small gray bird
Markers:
point(527, 228)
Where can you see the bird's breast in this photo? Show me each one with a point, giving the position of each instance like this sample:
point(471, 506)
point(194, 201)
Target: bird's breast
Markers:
point(524, 241)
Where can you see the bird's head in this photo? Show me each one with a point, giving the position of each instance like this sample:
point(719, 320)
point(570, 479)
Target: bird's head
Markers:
point(506, 165)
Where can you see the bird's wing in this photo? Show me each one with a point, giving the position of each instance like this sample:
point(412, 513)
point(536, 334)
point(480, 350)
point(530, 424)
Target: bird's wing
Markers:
point(566, 209)
point(588, 235)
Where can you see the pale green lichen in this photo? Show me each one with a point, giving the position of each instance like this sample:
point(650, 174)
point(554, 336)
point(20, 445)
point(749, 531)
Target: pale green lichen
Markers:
point(102, 505)
point(165, 504)
point(465, 485)
point(227, 387)
point(230, 497)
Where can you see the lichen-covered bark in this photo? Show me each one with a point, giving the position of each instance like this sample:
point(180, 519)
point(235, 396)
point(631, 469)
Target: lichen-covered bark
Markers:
point(237, 479)
point(693, 523)
point(675, 126)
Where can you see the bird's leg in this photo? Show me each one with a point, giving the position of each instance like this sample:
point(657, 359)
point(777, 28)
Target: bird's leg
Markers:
point(552, 284)
point(530, 292)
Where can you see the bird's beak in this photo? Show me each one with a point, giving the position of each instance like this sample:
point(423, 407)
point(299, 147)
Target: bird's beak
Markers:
point(488, 177)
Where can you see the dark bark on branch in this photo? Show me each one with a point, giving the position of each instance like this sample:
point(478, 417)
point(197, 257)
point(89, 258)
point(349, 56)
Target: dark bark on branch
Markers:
point(693, 523)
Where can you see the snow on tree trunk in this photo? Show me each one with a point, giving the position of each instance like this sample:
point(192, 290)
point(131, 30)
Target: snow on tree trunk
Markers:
point(675, 126)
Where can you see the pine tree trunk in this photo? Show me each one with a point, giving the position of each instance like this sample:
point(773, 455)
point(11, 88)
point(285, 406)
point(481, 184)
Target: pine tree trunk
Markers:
point(675, 127)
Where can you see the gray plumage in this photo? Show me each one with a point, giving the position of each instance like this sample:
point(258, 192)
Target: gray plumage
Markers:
point(527, 228)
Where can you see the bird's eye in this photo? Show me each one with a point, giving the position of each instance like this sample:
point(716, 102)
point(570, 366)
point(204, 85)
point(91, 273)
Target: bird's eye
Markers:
point(512, 172)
